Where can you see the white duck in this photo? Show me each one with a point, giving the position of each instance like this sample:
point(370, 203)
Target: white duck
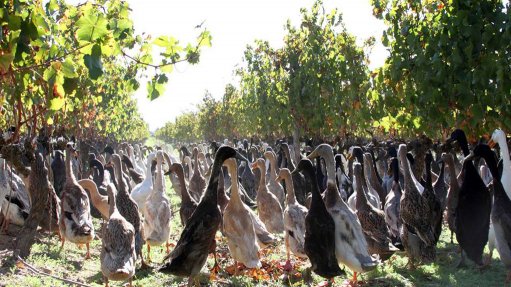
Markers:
point(499, 137)
point(238, 226)
point(142, 190)
point(131, 155)
point(157, 212)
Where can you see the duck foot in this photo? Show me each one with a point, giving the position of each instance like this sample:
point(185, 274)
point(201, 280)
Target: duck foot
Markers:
point(144, 265)
point(216, 268)
point(487, 260)
point(87, 255)
point(329, 282)
point(287, 267)
point(462, 263)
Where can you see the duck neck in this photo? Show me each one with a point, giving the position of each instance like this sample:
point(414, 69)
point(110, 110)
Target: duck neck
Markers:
point(185, 196)
point(453, 181)
point(111, 200)
point(273, 167)
point(159, 182)
point(262, 178)
point(290, 196)
point(429, 183)
point(361, 200)
point(69, 167)
point(233, 172)
point(407, 174)
point(290, 163)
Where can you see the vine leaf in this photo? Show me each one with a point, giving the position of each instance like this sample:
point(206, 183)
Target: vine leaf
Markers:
point(93, 62)
point(56, 104)
point(156, 87)
point(5, 62)
point(91, 27)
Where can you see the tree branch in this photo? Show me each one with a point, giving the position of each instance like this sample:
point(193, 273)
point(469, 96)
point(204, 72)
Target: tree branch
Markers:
point(50, 60)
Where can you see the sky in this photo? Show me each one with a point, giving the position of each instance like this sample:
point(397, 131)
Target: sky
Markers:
point(233, 24)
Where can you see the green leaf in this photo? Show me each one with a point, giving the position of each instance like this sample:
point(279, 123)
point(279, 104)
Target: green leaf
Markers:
point(93, 62)
point(57, 104)
point(70, 85)
point(91, 27)
point(68, 68)
point(156, 87)
point(5, 62)
point(14, 22)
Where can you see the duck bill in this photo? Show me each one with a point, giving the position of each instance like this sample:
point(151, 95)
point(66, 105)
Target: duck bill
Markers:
point(491, 143)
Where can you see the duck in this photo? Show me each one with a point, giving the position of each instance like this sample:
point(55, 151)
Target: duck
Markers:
point(133, 173)
point(157, 213)
point(294, 220)
point(117, 256)
point(373, 197)
point(343, 181)
point(351, 248)
point(100, 177)
point(372, 179)
point(176, 185)
point(197, 183)
point(273, 186)
point(319, 238)
point(188, 204)
point(499, 137)
point(452, 193)
point(248, 180)
point(238, 226)
point(143, 190)
point(139, 169)
point(58, 167)
point(440, 188)
point(429, 195)
point(298, 179)
point(127, 207)
point(198, 237)
point(75, 222)
point(501, 208)
point(372, 221)
point(99, 201)
point(473, 209)
point(392, 203)
point(417, 234)
point(268, 205)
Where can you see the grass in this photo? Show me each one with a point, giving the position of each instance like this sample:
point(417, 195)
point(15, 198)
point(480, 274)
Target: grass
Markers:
point(69, 263)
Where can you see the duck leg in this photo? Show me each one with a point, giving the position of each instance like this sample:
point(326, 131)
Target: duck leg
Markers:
point(192, 281)
point(461, 263)
point(354, 280)
point(212, 249)
point(106, 281)
point(168, 247)
point(288, 267)
point(131, 282)
point(148, 253)
point(87, 255)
